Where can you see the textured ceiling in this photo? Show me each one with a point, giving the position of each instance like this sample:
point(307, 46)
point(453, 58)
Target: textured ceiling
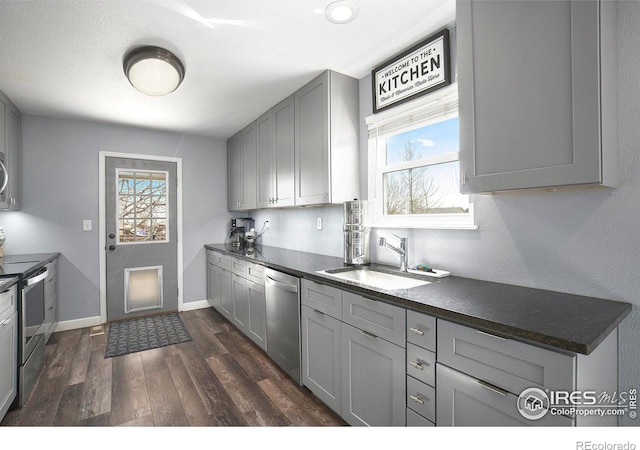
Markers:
point(64, 58)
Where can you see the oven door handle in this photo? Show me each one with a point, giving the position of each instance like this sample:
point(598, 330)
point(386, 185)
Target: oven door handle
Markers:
point(37, 278)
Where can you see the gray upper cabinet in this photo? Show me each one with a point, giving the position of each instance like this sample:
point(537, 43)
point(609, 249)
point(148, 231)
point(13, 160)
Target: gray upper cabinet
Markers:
point(10, 146)
point(275, 135)
point(326, 140)
point(537, 89)
point(241, 166)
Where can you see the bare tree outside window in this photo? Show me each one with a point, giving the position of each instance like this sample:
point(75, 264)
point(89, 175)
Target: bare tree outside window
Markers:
point(142, 206)
point(411, 191)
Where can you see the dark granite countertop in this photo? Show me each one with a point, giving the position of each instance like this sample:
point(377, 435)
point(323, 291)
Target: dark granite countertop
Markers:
point(564, 321)
point(21, 265)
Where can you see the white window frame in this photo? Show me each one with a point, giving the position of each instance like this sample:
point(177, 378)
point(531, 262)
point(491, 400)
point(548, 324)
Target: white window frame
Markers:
point(433, 108)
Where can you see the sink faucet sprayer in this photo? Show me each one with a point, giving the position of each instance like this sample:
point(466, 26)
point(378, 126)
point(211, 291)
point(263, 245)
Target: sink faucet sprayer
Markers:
point(402, 251)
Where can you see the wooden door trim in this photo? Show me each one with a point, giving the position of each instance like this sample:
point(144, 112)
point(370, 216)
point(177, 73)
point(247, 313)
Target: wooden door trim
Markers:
point(102, 242)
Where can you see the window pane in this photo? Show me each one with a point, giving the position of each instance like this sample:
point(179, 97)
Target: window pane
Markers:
point(431, 140)
point(425, 190)
point(142, 206)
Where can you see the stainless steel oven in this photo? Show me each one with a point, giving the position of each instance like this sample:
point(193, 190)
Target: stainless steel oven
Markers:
point(33, 354)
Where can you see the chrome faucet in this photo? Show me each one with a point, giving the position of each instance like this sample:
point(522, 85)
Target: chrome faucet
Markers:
point(402, 251)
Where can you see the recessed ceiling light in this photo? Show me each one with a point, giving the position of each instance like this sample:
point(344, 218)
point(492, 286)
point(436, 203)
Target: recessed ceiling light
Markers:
point(341, 12)
point(153, 70)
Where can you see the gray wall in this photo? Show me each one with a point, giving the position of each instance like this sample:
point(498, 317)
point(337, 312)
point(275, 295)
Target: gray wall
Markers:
point(60, 190)
point(585, 242)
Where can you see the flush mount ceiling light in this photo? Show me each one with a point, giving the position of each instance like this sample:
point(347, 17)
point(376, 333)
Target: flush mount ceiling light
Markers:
point(153, 70)
point(341, 12)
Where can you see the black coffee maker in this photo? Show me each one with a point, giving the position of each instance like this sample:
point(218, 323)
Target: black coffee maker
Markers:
point(239, 226)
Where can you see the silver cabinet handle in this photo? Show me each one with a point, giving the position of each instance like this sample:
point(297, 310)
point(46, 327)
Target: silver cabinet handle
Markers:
point(416, 399)
point(4, 322)
point(416, 331)
point(369, 335)
point(416, 365)
point(492, 335)
point(492, 388)
point(287, 287)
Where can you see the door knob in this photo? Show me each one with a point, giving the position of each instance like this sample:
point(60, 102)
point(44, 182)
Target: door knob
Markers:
point(112, 236)
point(112, 247)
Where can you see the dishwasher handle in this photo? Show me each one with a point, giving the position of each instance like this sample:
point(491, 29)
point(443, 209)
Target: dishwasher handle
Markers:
point(287, 287)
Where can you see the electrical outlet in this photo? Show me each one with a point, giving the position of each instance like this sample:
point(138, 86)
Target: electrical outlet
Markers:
point(86, 225)
point(319, 223)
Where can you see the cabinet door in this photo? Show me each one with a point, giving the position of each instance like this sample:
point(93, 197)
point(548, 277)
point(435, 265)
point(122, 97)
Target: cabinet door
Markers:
point(284, 135)
point(8, 362)
point(234, 172)
point(465, 401)
point(226, 296)
point(14, 122)
point(249, 155)
point(373, 379)
point(265, 132)
point(213, 285)
point(257, 317)
point(4, 106)
point(240, 302)
point(312, 142)
point(529, 83)
point(321, 342)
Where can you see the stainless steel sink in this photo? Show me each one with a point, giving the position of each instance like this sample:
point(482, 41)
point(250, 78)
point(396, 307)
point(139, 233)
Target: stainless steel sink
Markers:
point(375, 278)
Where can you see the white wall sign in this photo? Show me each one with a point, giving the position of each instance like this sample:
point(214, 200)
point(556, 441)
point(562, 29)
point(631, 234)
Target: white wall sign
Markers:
point(416, 71)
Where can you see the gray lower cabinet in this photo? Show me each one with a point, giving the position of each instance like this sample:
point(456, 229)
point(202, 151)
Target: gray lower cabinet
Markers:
point(321, 343)
point(51, 299)
point(213, 285)
point(373, 377)
point(257, 315)
point(235, 288)
point(226, 296)
point(240, 296)
point(8, 349)
point(542, 120)
point(480, 377)
point(466, 401)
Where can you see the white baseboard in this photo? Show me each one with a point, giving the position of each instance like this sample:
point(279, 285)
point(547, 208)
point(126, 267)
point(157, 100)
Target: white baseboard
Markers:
point(198, 304)
point(78, 323)
point(93, 321)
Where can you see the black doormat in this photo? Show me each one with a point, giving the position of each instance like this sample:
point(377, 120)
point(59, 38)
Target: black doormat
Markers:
point(144, 333)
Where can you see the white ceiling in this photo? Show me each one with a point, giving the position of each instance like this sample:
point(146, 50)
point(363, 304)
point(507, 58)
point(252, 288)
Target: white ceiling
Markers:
point(64, 58)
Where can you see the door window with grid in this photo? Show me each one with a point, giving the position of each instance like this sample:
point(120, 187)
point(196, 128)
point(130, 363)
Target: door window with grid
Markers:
point(142, 206)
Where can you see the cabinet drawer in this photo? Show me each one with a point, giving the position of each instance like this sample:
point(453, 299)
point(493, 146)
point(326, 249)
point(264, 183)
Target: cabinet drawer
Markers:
point(421, 364)
point(465, 401)
point(323, 298)
point(8, 303)
point(212, 256)
point(421, 398)
point(416, 420)
point(421, 330)
point(255, 273)
point(506, 363)
point(376, 317)
point(219, 259)
point(239, 267)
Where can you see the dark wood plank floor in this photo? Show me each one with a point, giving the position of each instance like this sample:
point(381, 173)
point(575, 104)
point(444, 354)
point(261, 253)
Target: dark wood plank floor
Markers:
point(219, 378)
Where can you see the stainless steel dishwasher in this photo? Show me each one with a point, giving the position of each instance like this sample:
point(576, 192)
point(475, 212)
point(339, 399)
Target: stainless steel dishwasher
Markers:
point(283, 321)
